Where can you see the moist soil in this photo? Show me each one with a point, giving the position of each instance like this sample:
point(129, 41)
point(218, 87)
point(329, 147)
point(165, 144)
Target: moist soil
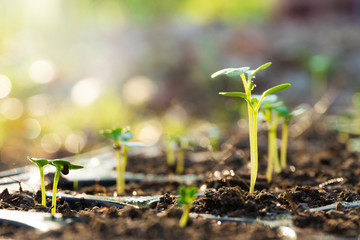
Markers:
point(321, 170)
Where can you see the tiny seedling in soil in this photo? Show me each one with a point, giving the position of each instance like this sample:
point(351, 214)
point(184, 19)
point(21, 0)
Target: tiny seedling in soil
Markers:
point(253, 104)
point(187, 196)
point(41, 162)
point(284, 112)
point(121, 137)
point(269, 110)
point(181, 144)
point(62, 166)
point(170, 142)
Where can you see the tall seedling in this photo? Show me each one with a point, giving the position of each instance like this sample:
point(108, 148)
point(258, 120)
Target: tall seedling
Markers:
point(253, 105)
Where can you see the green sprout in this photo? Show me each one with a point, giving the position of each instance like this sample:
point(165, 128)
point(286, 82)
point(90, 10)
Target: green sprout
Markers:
point(121, 137)
point(181, 144)
point(170, 142)
point(284, 112)
point(253, 105)
point(187, 196)
point(41, 162)
point(62, 166)
point(269, 109)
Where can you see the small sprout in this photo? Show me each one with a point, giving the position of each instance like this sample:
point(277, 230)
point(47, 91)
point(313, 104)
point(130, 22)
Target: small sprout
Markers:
point(170, 142)
point(121, 137)
point(41, 162)
point(253, 104)
point(181, 144)
point(62, 166)
point(284, 112)
point(187, 196)
point(269, 111)
point(214, 136)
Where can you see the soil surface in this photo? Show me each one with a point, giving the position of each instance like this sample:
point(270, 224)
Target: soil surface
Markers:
point(321, 170)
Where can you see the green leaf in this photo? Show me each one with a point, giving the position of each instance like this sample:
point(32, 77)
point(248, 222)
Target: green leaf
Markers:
point(262, 67)
point(282, 110)
point(118, 133)
point(133, 144)
point(39, 161)
point(275, 89)
point(234, 94)
point(231, 72)
point(187, 195)
point(59, 163)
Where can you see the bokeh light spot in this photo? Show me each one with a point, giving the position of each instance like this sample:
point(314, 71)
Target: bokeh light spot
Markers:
point(51, 142)
point(5, 86)
point(42, 71)
point(12, 108)
point(138, 90)
point(33, 128)
point(85, 92)
point(75, 142)
point(39, 105)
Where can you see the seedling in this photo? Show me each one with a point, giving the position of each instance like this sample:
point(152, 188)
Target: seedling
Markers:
point(170, 142)
point(269, 110)
point(181, 144)
point(253, 104)
point(283, 111)
point(187, 196)
point(121, 137)
point(41, 162)
point(62, 166)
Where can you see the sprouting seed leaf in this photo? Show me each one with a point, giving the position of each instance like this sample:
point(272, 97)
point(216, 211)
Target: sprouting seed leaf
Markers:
point(231, 72)
point(234, 94)
point(275, 89)
point(187, 195)
point(282, 110)
point(59, 163)
point(133, 144)
point(262, 67)
point(39, 161)
point(118, 133)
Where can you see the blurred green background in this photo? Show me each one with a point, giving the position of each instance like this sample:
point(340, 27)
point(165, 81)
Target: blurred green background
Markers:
point(70, 68)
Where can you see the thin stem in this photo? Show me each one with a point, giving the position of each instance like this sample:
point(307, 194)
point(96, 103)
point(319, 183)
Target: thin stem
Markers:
point(118, 171)
point(274, 144)
point(185, 216)
point(284, 142)
point(125, 150)
point(269, 169)
point(43, 196)
point(56, 180)
point(254, 153)
point(170, 154)
point(180, 161)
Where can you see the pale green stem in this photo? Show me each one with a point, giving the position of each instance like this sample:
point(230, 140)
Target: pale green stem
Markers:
point(123, 168)
point(254, 152)
point(170, 154)
point(284, 141)
point(76, 180)
point(277, 167)
point(56, 180)
point(269, 169)
point(118, 171)
point(185, 216)
point(43, 196)
point(180, 161)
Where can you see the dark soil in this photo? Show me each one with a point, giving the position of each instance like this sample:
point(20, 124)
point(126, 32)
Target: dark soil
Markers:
point(321, 171)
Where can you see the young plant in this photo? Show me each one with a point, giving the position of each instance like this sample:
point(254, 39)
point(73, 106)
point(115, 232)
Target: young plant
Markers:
point(253, 105)
point(187, 196)
point(62, 166)
point(41, 162)
point(183, 145)
point(121, 137)
point(268, 109)
point(284, 112)
point(170, 142)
